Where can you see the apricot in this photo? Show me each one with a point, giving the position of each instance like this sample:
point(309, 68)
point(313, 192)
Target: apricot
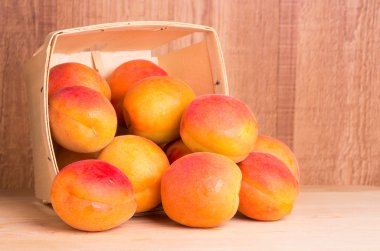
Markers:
point(154, 107)
point(278, 149)
point(201, 190)
point(81, 119)
point(126, 76)
point(65, 157)
point(219, 124)
point(143, 162)
point(269, 188)
point(92, 195)
point(76, 74)
point(176, 150)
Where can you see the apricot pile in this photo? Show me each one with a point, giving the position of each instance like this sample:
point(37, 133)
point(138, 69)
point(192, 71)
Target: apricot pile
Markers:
point(143, 138)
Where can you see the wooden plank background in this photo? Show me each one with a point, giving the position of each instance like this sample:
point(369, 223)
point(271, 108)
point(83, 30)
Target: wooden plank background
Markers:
point(310, 70)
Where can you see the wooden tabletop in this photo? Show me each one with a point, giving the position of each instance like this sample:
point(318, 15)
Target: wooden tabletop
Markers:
point(324, 218)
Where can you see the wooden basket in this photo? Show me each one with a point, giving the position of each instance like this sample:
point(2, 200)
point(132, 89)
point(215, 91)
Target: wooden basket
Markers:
point(187, 51)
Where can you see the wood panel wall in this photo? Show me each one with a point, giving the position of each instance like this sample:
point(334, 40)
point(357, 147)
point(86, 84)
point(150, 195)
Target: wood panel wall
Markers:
point(310, 70)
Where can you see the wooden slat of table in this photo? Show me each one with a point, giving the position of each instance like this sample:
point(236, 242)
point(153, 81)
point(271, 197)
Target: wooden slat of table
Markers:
point(324, 218)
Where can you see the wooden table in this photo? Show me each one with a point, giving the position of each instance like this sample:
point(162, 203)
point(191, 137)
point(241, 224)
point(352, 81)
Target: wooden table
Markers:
point(324, 218)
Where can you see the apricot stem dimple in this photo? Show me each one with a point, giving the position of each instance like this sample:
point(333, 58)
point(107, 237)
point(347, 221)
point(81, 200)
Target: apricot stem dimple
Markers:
point(218, 186)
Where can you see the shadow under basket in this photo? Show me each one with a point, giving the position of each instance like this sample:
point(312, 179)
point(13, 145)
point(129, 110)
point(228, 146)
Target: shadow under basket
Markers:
point(186, 51)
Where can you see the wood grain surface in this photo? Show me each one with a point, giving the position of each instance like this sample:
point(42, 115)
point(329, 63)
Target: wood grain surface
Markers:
point(324, 218)
point(310, 71)
point(337, 108)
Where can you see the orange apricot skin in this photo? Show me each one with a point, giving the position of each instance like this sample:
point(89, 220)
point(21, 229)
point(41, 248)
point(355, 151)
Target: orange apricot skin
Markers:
point(220, 124)
point(268, 189)
point(278, 149)
point(143, 162)
point(76, 74)
point(175, 150)
point(81, 119)
point(126, 76)
point(153, 108)
point(201, 190)
point(92, 195)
